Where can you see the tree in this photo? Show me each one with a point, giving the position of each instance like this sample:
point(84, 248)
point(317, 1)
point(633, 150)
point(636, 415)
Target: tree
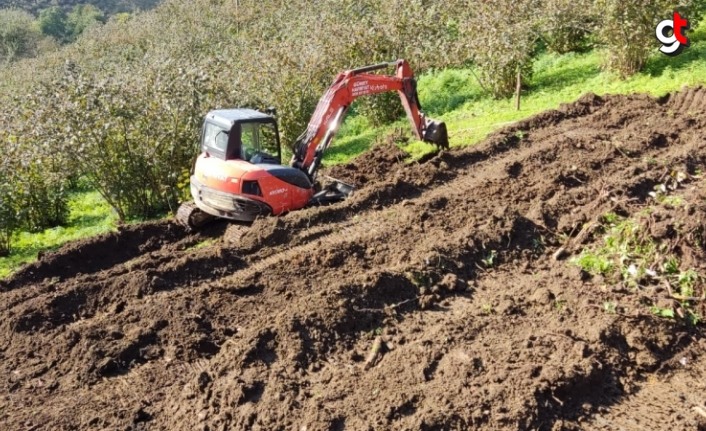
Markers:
point(506, 48)
point(565, 25)
point(81, 17)
point(63, 27)
point(52, 22)
point(18, 35)
point(627, 29)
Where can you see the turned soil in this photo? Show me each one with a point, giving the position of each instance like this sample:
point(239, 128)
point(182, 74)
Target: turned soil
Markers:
point(442, 295)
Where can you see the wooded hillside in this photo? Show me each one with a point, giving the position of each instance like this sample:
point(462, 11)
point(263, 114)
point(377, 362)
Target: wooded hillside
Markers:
point(107, 6)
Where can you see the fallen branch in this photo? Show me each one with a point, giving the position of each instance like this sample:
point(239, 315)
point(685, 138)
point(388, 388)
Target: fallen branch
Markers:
point(387, 307)
point(688, 298)
point(678, 297)
point(617, 147)
point(560, 253)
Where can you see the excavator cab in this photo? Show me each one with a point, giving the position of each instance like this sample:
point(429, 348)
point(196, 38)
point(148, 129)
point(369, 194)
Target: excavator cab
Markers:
point(245, 134)
point(238, 174)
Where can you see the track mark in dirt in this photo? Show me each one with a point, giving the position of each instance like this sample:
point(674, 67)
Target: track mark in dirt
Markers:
point(328, 240)
point(692, 100)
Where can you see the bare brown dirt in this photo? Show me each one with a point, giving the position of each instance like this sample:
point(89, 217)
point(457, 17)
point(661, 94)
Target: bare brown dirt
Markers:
point(447, 267)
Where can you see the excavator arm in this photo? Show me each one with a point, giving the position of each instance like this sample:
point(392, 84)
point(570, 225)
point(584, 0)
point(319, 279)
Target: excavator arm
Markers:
point(348, 86)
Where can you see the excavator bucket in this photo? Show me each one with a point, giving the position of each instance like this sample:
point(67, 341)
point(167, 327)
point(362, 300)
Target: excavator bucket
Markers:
point(335, 191)
point(435, 132)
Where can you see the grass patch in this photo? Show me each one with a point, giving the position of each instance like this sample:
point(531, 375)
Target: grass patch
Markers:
point(348, 147)
point(627, 253)
point(447, 90)
point(90, 215)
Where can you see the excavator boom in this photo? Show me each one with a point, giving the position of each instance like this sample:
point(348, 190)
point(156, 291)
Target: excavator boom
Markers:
point(348, 86)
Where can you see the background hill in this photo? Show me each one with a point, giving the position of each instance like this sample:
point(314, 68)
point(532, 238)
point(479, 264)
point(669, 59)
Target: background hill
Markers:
point(107, 6)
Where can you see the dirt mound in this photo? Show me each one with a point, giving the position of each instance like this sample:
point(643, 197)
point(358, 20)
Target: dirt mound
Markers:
point(442, 295)
point(95, 254)
point(691, 99)
point(373, 165)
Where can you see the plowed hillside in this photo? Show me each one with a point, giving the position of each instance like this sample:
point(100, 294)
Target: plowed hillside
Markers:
point(442, 296)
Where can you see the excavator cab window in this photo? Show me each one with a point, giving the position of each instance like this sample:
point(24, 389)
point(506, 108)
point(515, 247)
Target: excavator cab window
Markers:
point(259, 143)
point(214, 139)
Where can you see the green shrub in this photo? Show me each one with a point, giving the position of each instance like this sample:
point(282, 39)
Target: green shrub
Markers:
point(52, 22)
point(8, 217)
point(381, 109)
point(565, 25)
point(32, 189)
point(626, 28)
point(507, 50)
point(81, 17)
point(19, 35)
point(131, 140)
point(42, 200)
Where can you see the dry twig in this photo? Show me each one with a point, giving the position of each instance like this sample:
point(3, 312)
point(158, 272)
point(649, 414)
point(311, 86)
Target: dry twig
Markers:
point(374, 353)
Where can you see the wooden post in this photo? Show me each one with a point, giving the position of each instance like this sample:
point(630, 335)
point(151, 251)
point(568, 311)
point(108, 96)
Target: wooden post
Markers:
point(518, 90)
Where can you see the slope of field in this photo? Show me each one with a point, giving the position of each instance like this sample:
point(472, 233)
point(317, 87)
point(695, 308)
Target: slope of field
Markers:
point(430, 300)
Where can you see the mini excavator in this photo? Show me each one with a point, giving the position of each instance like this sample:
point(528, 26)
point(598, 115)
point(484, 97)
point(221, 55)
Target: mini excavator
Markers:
point(238, 174)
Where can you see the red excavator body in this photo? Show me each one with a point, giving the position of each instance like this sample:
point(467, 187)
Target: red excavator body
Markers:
point(238, 174)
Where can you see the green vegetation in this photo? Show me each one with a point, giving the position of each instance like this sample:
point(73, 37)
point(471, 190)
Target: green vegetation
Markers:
point(23, 36)
point(623, 30)
point(489, 260)
point(455, 96)
point(630, 257)
point(19, 35)
point(90, 215)
point(627, 255)
point(29, 29)
point(66, 27)
point(109, 6)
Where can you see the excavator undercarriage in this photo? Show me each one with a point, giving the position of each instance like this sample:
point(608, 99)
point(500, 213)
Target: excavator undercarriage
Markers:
point(194, 218)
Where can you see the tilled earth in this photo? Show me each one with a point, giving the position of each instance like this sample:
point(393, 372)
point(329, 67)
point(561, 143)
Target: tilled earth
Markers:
point(441, 296)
